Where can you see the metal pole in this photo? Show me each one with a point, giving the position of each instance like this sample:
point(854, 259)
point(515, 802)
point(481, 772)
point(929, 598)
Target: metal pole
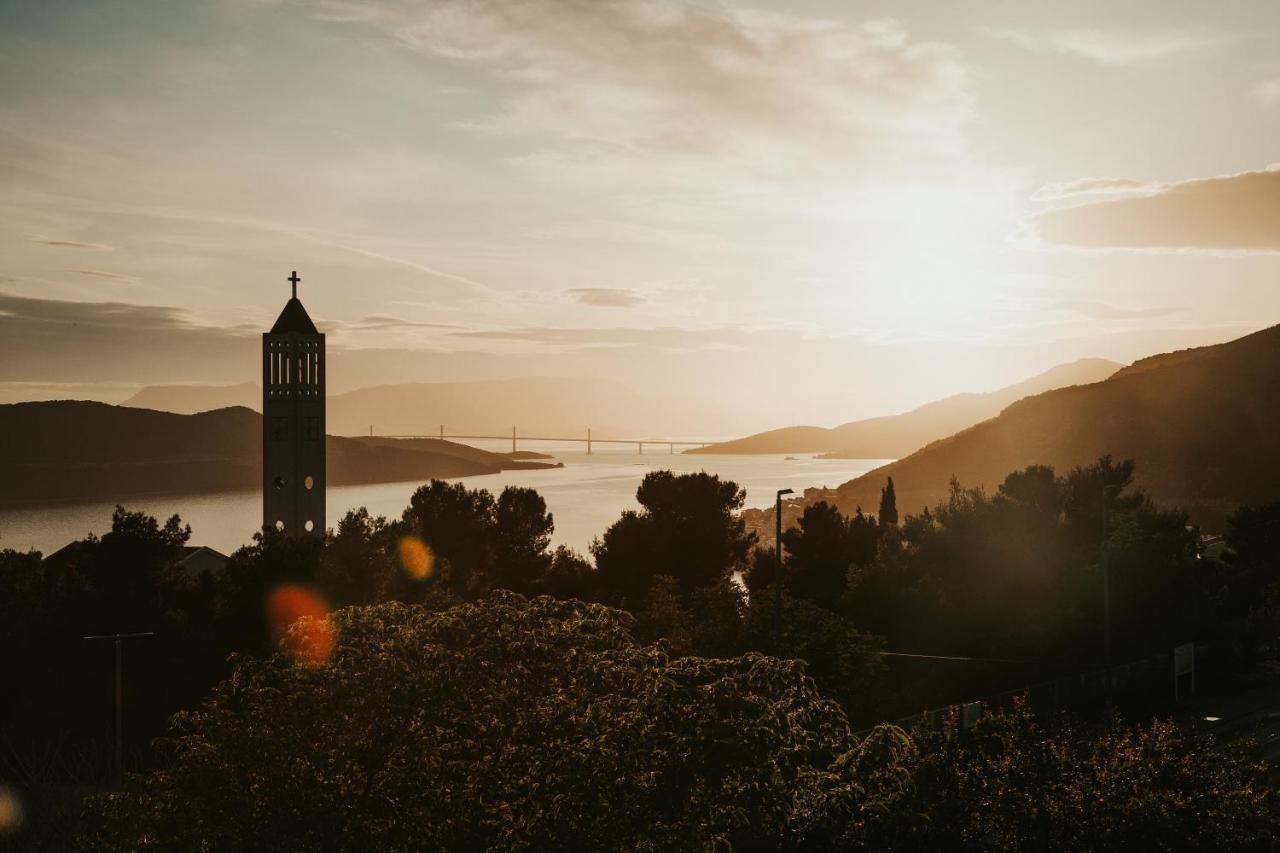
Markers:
point(513, 439)
point(119, 778)
point(118, 770)
point(588, 441)
point(777, 571)
point(1106, 586)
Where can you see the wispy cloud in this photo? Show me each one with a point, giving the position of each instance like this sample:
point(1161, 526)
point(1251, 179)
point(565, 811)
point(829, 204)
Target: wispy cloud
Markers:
point(1268, 92)
point(1230, 213)
point(1108, 47)
point(110, 276)
point(605, 297)
point(1090, 186)
point(671, 338)
point(74, 244)
point(617, 79)
point(1105, 311)
point(379, 321)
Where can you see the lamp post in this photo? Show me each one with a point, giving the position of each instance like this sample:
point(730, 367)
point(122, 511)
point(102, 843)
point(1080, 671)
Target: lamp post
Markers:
point(1107, 491)
point(777, 572)
point(119, 769)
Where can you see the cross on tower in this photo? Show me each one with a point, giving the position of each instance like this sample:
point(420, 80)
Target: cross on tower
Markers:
point(293, 277)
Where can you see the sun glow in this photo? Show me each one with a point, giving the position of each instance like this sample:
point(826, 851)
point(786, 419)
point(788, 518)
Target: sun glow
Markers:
point(925, 257)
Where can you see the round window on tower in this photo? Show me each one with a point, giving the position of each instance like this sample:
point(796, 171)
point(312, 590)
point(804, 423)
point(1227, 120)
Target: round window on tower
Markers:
point(280, 525)
point(310, 482)
point(310, 525)
point(278, 483)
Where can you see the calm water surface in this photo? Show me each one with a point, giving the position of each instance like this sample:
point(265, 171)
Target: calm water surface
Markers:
point(585, 496)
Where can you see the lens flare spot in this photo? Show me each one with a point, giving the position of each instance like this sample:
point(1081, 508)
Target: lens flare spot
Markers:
point(300, 622)
point(11, 814)
point(416, 557)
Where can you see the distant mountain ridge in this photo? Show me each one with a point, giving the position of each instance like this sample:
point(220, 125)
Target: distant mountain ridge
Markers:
point(1203, 426)
point(893, 436)
point(535, 404)
point(190, 399)
point(67, 450)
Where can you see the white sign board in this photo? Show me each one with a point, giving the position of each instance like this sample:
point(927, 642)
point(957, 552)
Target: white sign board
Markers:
point(1184, 663)
point(1184, 659)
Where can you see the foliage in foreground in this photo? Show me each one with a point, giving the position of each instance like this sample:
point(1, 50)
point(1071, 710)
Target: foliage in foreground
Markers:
point(516, 724)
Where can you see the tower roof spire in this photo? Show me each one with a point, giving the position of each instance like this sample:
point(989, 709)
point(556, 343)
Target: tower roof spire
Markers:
point(294, 317)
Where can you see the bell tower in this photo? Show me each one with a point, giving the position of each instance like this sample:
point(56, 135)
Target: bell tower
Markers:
point(293, 426)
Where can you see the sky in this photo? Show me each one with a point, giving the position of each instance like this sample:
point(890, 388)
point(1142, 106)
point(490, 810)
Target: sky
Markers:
point(794, 212)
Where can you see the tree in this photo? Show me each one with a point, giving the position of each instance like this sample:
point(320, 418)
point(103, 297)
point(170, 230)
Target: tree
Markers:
point(688, 528)
point(1245, 587)
point(522, 528)
point(1036, 488)
point(570, 575)
point(821, 550)
point(842, 660)
point(1013, 783)
point(502, 724)
point(457, 524)
point(888, 504)
point(479, 543)
point(357, 565)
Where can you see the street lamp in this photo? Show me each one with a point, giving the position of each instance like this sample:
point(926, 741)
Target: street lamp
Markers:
point(1107, 492)
point(119, 770)
point(777, 572)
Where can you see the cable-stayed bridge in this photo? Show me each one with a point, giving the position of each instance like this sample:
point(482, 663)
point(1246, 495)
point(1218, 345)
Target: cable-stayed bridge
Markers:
point(670, 443)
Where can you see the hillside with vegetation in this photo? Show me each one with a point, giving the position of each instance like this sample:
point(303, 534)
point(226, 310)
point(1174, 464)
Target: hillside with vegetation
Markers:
point(1200, 423)
point(68, 450)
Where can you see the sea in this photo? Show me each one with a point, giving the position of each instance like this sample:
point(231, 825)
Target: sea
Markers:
point(584, 497)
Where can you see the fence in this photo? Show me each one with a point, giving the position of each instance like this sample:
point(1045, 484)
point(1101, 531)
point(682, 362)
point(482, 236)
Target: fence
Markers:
point(1064, 692)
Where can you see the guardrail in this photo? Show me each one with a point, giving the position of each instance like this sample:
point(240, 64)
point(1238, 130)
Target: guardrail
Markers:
point(1060, 692)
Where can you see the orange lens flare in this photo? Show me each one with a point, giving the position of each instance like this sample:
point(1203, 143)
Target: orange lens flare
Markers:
point(416, 557)
point(300, 621)
point(11, 814)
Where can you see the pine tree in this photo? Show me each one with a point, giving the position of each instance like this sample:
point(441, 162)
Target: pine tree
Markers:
point(888, 504)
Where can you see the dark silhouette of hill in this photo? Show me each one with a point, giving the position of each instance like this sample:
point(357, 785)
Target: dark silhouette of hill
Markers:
point(1201, 425)
point(892, 436)
point(77, 450)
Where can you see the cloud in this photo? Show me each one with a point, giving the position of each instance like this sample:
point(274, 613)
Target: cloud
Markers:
point(605, 297)
point(1227, 213)
point(1090, 186)
point(1107, 47)
point(669, 338)
point(112, 276)
point(1268, 92)
point(621, 79)
point(76, 244)
point(52, 340)
point(1104, 311)
point(378, 321)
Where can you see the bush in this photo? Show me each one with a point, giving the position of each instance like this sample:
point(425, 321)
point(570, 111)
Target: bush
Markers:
point(507, 723)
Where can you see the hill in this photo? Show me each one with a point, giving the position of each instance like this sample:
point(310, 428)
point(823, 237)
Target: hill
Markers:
point(69, 450)
point(893, 436)
point(189, 399)
point(1200, 423)
point(537, 405)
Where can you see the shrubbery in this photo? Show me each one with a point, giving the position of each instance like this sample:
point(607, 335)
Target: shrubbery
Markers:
point(514, 724)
